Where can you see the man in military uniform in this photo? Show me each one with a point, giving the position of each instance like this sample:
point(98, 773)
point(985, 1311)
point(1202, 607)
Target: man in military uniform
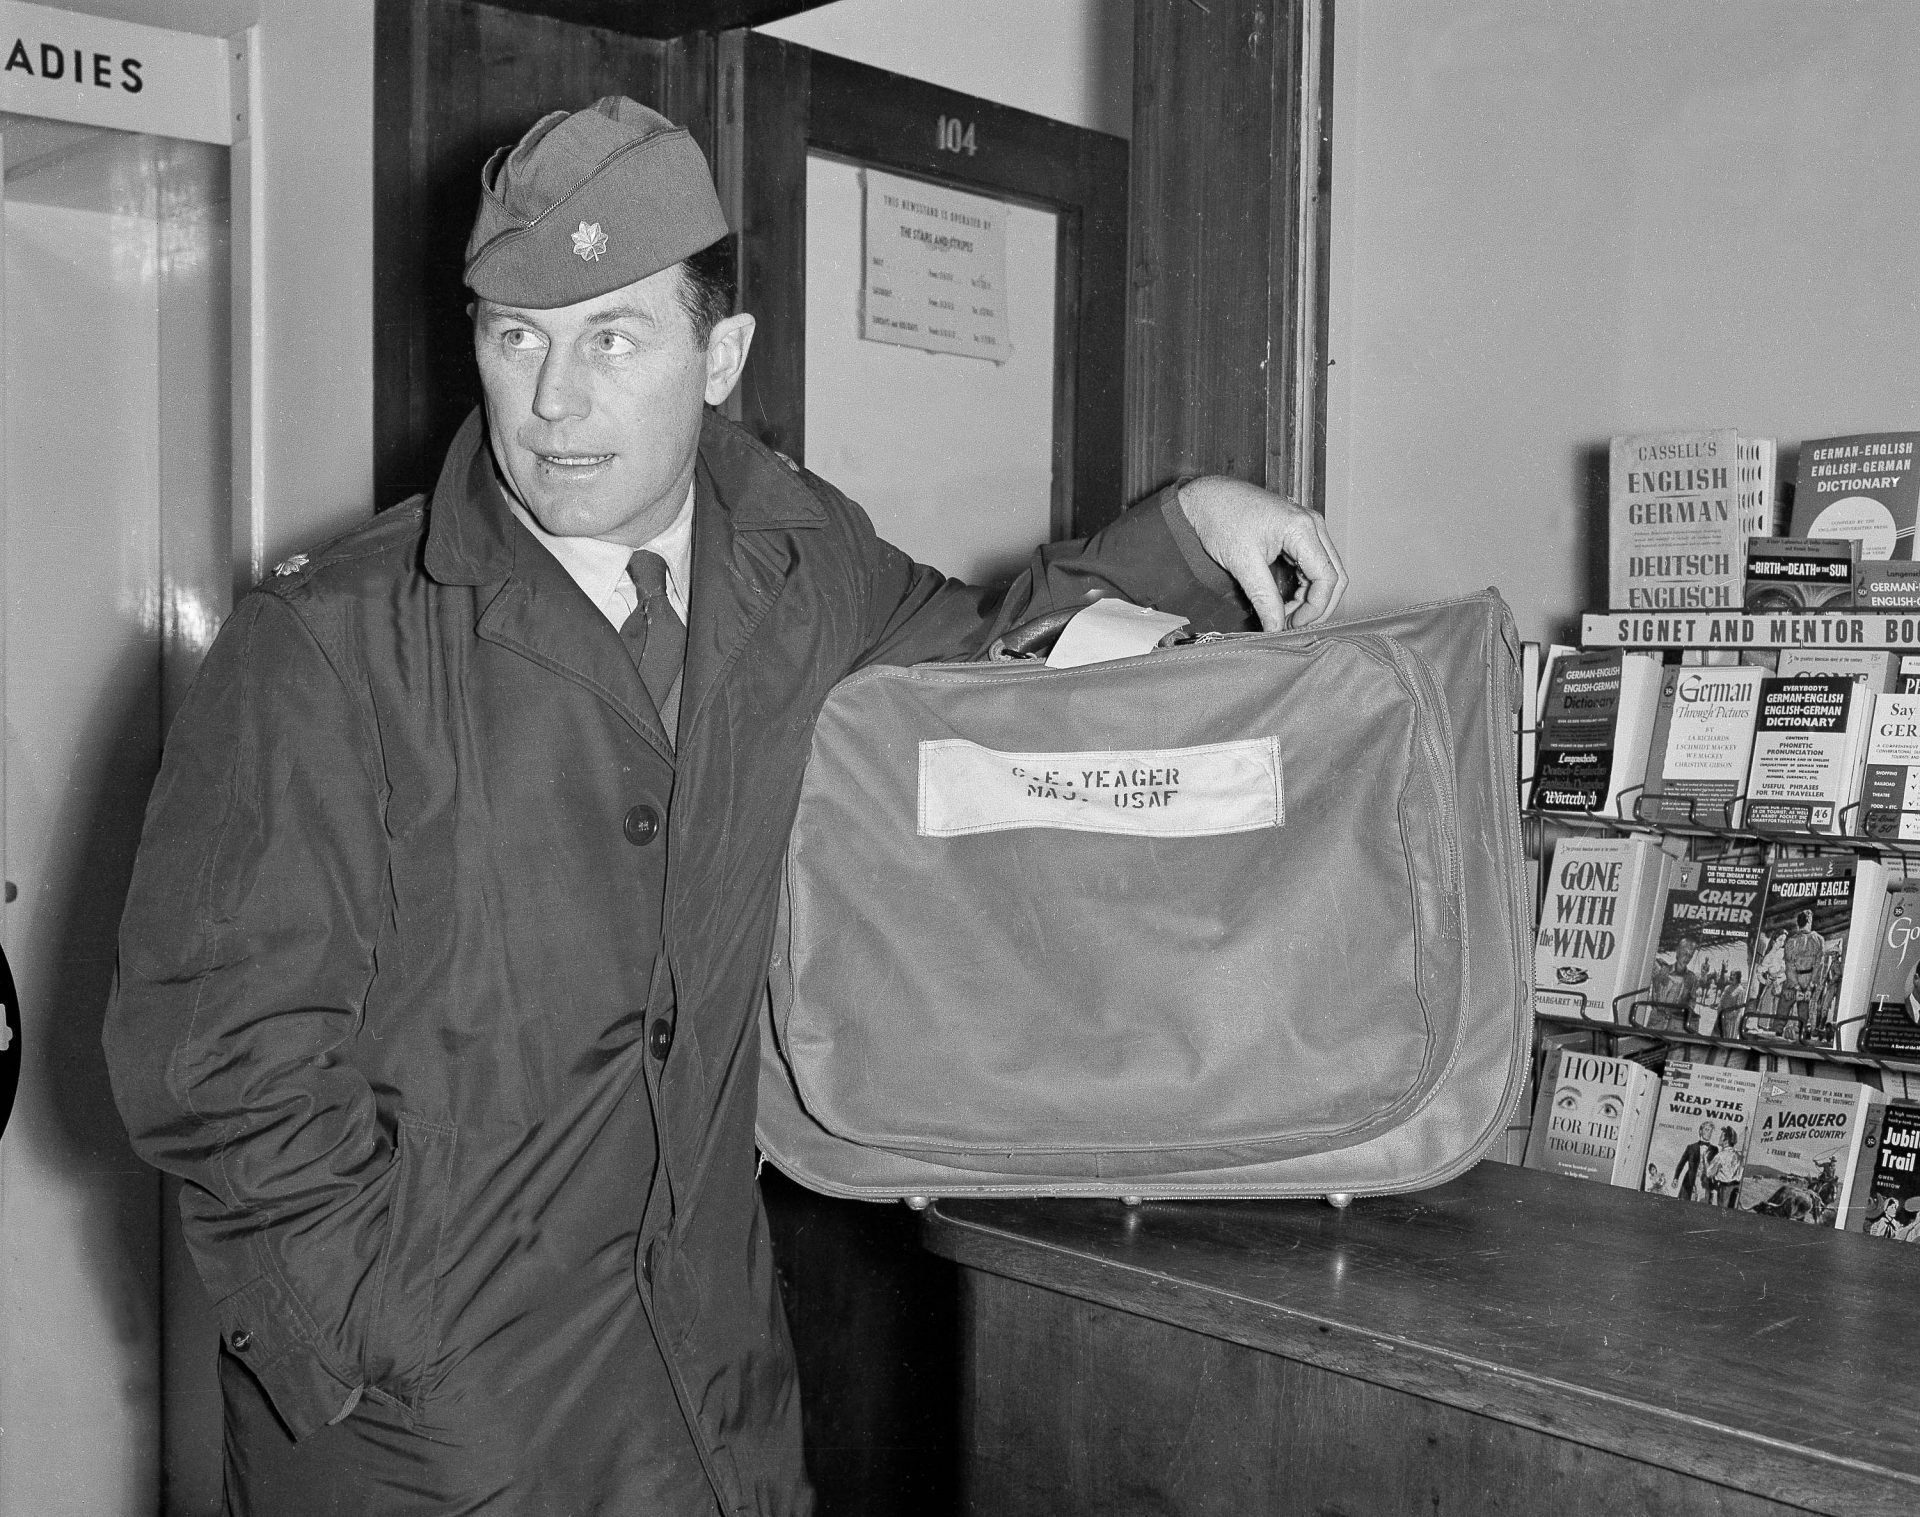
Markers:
point(453, 910)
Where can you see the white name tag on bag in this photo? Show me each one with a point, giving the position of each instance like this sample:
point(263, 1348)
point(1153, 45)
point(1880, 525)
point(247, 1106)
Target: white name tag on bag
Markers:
point(1149, 792)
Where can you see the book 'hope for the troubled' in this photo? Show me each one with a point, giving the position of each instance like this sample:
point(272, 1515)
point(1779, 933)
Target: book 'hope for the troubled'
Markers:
point(1593, 1118)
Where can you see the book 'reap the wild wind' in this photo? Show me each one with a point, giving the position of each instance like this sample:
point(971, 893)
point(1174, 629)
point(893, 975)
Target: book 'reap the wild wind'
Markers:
point(1680, 508)
point(1804, 1159)
point(1700, 1126)
point(1593, 1118)
point(1703, 962)
point(1893, 1191)
point(1596, 923)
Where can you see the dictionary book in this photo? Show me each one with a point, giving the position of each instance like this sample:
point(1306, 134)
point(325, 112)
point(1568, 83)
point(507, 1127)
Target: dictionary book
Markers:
point(1593, 1118)
point(1864, 487)
point(1596, 720)
point(1702, 740)
point(1595, 938)
point(1892, 1208)
point(1700, 1126)
point(1804, 1158)
point(1809, 740)
point(1703, 960)
point(1681, 507)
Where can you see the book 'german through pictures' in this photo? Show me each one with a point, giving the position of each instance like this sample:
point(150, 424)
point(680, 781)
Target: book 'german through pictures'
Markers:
point(1701, 745)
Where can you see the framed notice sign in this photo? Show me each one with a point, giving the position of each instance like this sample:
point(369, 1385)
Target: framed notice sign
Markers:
point(965, 229)
point(935, 268)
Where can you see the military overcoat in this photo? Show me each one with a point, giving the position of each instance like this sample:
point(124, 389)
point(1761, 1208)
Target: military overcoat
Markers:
point(439, 975)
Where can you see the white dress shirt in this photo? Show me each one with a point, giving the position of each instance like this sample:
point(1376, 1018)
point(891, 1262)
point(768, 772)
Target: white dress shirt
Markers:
point(600, 568)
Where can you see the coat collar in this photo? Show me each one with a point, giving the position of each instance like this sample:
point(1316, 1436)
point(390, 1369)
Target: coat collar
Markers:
point(470, 530)
point(747, 500)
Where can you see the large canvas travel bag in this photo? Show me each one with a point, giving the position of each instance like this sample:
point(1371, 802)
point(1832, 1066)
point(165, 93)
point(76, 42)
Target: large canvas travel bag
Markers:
point(1244, 917)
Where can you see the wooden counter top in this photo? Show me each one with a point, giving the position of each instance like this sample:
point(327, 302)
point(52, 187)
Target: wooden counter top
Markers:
point(1776, 1358)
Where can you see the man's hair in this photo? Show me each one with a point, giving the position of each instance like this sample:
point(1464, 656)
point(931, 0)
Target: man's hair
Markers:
point(709, 285)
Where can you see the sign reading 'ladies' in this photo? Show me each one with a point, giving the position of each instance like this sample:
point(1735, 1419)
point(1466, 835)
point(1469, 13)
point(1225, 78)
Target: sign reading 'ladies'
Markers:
point(114, 73)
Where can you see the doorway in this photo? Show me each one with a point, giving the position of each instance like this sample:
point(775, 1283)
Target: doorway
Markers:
point(117, 474)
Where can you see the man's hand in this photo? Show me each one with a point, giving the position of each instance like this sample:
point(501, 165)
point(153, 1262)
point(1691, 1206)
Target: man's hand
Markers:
point(1245, 528)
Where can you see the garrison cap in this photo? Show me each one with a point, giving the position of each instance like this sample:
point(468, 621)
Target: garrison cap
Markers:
point(588, 201)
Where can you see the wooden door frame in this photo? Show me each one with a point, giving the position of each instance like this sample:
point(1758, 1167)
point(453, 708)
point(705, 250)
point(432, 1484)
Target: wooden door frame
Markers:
point(777, 100)
point(1232, 183)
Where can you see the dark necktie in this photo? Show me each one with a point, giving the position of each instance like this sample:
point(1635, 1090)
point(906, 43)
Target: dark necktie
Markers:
point(654, 634)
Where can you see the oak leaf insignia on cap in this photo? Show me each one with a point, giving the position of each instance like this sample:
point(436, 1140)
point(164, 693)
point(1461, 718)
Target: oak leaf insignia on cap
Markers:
point(589, 201)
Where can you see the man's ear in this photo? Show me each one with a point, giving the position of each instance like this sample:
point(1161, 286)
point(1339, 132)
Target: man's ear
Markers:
point(727, 348)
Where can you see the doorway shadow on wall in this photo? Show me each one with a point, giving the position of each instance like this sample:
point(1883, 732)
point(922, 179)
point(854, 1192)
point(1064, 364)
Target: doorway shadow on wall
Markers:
point(1590, 544)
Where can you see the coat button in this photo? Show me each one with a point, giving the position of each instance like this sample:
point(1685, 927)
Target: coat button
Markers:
point(238, 1339)
point(641, 825)
point(660, 1038)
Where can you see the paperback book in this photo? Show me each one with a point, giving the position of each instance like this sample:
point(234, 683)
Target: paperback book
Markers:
point(1874, 668)
point(1596, 719)
point(1804, 1158)
point(1795, 574)
point(1701, 745)
point(1864, 487)
point(1681, 506)
point(1700, 1126)
point(1809, 739)
point(1890, 777)
point(1594, 1118)
point(1893, 1191)
point(1892, 1026)
point(1703, 962)
point(1596, 924)
point(1816, 909)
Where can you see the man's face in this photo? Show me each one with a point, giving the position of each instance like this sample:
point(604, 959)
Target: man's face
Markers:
point(595, 408)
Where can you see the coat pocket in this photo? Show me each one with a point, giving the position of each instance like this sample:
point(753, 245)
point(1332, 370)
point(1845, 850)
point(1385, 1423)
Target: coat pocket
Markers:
point(405, 1327)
